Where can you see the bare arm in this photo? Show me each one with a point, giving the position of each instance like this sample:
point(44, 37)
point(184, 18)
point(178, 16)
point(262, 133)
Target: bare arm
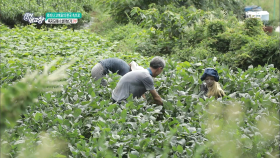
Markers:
point(144, 96)
point(156, 97)
point(129, 66)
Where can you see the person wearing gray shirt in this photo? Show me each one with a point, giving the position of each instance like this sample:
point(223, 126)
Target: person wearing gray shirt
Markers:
point(138, 82)
point(114, 65)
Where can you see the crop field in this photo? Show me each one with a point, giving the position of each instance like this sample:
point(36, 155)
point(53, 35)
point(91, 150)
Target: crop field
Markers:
point(83, 115)
point(51, 107)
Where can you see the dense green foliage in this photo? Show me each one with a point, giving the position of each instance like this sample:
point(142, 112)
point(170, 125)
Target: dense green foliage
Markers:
point(187, 32)
point(57, 110)
point(122, 8)
point(86, 123)
point(16, 98)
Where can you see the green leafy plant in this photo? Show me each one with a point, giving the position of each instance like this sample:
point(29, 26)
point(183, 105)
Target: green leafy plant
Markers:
point(83, 117)
point(121, 8)
point(16, 98)
point(253, 26)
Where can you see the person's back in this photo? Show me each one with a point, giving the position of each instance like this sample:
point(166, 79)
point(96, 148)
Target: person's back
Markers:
point(135, 83)
point(115, 65)
point(138, 82)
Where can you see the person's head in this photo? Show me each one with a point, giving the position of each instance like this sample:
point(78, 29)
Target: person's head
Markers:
point(156, 65)
point(211, 78)
point(210, 75)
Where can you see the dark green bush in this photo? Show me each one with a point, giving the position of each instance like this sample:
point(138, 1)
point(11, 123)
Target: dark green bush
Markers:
point(198, 35)
point(170, 28)
point(191, 45)
point(262, 50)
point(87, 7)
point(188, 53)
point(253, 26)
point(189, 32)
point(215, 27)
point(156, 44)
point(258, 51)
point(220, 44)
point(122, 8)
point(237, 40)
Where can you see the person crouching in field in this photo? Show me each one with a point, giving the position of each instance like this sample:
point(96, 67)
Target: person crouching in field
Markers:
point(114, 65)
point(211, 86)
point(138, 82)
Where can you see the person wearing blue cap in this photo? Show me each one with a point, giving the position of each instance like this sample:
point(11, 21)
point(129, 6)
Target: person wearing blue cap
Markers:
point(211, 86)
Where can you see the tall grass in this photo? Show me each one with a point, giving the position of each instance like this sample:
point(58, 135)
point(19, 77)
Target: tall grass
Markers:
point(126, 35)
point(102, 17)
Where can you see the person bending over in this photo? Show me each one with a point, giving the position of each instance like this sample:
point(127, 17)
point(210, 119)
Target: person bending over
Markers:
point(139, 82)
point(114, 65)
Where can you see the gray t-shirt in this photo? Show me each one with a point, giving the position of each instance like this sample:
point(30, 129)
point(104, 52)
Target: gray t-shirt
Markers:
point(135, 83)
point(115, 65)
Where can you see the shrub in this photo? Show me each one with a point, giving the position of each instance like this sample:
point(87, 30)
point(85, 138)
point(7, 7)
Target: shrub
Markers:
point(170, 27)
point(260, 51)
point(215, 27)
point(253, 26)
point(237, 39)
point(189, 52)
point(122, 8)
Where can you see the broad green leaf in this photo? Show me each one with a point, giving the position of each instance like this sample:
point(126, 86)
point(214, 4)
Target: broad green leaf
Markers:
point(38, 116)
point(180, 149)
point(93, 94)
point(123, 114)
point(120, 151)
point(77, 112)
point(111, 107)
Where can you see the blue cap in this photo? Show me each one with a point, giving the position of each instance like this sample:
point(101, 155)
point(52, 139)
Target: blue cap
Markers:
point(210, 72)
